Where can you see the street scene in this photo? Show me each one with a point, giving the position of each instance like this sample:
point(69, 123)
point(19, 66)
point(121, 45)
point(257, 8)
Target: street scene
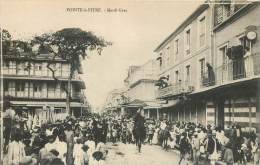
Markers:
point(130, 83)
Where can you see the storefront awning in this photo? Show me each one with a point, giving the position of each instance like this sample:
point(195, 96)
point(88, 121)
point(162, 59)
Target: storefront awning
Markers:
point(152, 104)
point(135, 104)
point(171, 103)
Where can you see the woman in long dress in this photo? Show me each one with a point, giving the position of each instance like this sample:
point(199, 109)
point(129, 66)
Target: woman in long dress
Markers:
point(16, 150)
point(247, 62)
point(155, 136)
point(172, 140)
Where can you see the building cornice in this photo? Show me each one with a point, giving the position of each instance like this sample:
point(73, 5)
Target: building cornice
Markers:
point(183, 25)
point(140, 81)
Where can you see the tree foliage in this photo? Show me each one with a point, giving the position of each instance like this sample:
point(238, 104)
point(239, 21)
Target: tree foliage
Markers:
point(15, 47)
point(70, 44)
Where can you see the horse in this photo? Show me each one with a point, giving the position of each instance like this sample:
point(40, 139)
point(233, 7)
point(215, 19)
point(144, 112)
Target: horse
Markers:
point(165, 135)
point(139, 136)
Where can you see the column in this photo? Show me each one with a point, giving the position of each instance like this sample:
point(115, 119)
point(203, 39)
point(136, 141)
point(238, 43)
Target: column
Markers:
point(250, 113)
point(184, 113)
point(190, 115)
point(196, 111)
point(233, 110)
point(258, 112)
point(157, 113)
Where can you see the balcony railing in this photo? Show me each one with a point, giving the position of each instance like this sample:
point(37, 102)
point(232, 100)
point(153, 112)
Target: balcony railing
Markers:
point(13, 72)
point(42, 95)
point(175, 89)
point(234, 70)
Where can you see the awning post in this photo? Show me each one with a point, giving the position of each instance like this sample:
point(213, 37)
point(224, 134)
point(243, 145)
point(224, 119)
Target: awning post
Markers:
point(157, 113)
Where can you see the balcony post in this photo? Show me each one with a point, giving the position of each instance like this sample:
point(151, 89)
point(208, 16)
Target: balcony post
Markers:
point(184, 113)
point(157, 113)
point(178, 115)
point(196, 113)
point(258, 112)
point(233, 109)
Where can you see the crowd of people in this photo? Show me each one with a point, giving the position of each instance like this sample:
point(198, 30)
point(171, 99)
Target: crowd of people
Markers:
point(195, 142)
point(70, 141)
point(82, 141)
point(209, 144)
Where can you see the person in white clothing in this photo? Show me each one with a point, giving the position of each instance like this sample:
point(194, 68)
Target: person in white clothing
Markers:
point(78, 152)
point(61, 147)
point(16, 150)
point(247, 62)
point(92, 146)
point(50, 145)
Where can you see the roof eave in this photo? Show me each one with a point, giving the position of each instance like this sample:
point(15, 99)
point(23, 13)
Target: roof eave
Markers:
point(199, 9)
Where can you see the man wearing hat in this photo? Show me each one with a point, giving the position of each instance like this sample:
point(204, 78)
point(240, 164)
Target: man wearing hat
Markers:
point(195, 148)
point(212, 146)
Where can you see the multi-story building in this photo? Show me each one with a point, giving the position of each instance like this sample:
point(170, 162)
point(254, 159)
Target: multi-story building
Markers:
point(183, 57)
point(232, 85)
point(114, 101)
point(29, 85)
point(141, 89)
point(209, 66)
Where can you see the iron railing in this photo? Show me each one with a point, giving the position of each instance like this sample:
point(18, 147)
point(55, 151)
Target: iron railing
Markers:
point(234, 70)
point(175, 89)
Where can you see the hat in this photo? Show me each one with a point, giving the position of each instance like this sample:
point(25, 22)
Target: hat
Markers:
point(54, 152)
point(97, 155)
point(28, 160)
point(85, 146)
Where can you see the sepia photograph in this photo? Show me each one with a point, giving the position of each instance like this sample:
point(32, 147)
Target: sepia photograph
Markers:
point(130, 82)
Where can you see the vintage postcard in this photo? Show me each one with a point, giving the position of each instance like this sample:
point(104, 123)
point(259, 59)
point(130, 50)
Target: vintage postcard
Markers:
point(130, 82)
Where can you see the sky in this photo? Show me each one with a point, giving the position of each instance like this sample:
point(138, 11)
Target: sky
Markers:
point(135, 33)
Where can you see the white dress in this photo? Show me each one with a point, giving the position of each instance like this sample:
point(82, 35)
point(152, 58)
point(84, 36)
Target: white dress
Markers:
point(172, 143)
point(78, 154)
point(248, 64)
point(155, 136)
point(91, 144)
point(15, 152)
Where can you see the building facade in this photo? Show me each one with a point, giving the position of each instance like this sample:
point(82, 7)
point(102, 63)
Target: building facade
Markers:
point(29, 85)
point(183, 57)
point(141, 89)
point(234, 90)
point(209, 67)
point(114, 101)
